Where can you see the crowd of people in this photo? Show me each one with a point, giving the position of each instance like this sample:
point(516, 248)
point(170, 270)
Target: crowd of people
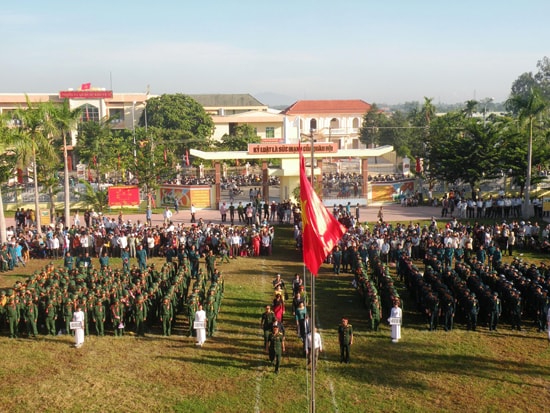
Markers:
point(463, 278)
point(111, 300)
point(137, 296)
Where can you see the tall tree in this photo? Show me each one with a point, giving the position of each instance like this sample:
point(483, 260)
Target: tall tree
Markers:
point(179, 119)
point(7, 164)
point(528, 107)
point(65, 121)
point(462, 149)
point(32, 141)
point(373, 121)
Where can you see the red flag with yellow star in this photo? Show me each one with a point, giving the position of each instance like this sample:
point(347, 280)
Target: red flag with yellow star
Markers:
point(320, 230)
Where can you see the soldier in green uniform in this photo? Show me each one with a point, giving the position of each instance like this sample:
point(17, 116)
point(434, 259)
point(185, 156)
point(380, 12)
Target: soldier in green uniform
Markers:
point(51, 317)
point(276, 347)
point(12, 315)
point(192, 307)
point(68, 310)
point(166, 315)
point(374, 313)
point(140, 315)
point(117, 317)
point(211, 313)
point(345, 338)
point(210, 264)
point(99, 317)
point(31, 317)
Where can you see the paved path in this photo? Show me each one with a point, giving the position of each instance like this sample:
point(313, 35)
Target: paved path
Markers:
point(392, 212)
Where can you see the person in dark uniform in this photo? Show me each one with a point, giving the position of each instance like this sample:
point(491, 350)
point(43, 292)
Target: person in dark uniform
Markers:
point(516, 311)
point(266, 323)
point(496, 309)
point(345, 338)
point(448, 309)
point(472, 312)
point(337, 260)
point(276, 347)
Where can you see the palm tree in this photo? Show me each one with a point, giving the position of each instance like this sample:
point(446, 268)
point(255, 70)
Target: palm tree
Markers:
point(96, 200)
point(31, 139)
point(6, 166)
point(65, 121)
point(528, 107)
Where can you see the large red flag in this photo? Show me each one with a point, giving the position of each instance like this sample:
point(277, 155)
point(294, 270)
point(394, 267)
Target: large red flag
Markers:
point(85, 86)
point(320, 230)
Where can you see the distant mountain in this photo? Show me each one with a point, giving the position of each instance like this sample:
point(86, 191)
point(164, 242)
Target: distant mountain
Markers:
point(275, 100)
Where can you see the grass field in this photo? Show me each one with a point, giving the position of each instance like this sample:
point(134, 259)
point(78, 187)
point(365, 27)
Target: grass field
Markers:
point(427, 371)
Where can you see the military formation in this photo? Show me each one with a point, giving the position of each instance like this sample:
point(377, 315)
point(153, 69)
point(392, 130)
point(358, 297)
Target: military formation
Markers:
point(463, 278)
point(114, 301)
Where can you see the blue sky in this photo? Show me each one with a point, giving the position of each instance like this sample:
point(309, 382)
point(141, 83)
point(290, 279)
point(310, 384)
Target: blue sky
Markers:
point(382, 52)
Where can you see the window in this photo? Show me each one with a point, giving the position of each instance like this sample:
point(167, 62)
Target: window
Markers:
point(116, 116)
point(313, 124)
point(89, 113)
point(269, 132)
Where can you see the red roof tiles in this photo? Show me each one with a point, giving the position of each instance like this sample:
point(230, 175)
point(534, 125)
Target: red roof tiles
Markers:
point(355, 106)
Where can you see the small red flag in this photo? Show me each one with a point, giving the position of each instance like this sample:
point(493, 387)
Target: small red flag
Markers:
point(320, 230)
point(85, 86)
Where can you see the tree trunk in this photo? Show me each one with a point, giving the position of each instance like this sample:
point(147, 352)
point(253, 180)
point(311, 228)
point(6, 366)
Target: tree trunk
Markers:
point(36, 195)
point(67, 209)
point(3, 236)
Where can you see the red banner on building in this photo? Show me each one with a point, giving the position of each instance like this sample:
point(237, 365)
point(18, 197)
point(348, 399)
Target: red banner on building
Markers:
point(86, 94)
point(120, 196)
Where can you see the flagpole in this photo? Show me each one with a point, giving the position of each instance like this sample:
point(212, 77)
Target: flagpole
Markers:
point(312, 324)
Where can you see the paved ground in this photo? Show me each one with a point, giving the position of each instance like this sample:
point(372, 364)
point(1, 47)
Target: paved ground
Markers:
point(392, 212)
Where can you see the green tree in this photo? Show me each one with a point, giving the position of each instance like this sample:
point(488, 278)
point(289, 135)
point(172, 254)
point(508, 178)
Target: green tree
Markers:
point(179, 120)
point(528, 109)
point(370, 131)
point(238, 139)
point(32, 142)
point(96, 199)
point(7, 165)
point(462, 149)
point(65, 121)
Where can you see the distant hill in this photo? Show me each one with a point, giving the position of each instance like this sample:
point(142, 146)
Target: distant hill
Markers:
point(275, 100)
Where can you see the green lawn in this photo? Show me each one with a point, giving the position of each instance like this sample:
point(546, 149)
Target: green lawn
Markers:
point(427, 371)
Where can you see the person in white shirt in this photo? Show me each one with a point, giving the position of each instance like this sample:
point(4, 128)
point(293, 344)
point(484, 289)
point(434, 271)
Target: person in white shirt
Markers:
point(317, 347)
point(78, 316)
point(396, 315)
point(167, 215)
point(200, 316)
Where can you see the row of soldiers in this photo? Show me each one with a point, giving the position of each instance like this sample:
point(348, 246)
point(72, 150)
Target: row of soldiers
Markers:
point(110, 298)
point(377, 290)
point(472, 291)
